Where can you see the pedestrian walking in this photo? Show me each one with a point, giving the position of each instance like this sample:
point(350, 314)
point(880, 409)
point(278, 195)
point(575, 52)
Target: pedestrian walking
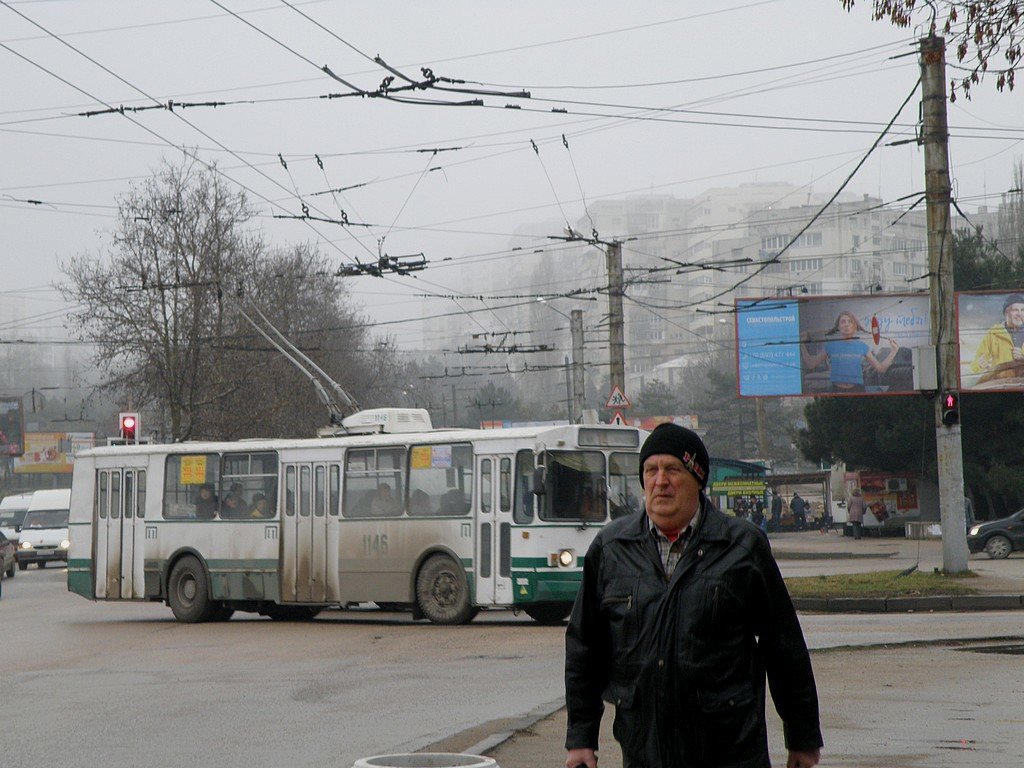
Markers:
point(681, 617)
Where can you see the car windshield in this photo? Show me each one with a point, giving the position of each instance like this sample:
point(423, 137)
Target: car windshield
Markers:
point(47, 518)
point(11, 518)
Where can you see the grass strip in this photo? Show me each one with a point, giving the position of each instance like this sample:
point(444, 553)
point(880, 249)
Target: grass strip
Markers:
point(882, 584)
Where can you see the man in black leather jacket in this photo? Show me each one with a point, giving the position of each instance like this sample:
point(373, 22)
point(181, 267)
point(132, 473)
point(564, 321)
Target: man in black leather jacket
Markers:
point(681, 617)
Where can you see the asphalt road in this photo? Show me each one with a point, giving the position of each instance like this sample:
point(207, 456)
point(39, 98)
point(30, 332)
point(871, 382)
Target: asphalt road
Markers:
point(123, 684)
point(114, 684)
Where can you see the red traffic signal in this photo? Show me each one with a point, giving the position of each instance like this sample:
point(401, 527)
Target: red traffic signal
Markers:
point(950, 409)
point(129, 426)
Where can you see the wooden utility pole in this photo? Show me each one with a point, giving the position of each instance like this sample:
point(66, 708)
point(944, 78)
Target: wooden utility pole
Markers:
point(616, 343)
point(578, 388)
point(935, 138)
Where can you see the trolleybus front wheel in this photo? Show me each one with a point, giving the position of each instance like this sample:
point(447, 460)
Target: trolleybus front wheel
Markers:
point(188, 593)
point(442, 591)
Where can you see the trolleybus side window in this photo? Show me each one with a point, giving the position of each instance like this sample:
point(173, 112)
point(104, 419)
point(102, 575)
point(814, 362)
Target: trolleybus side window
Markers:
point(190, 483)
point(574, 487)
point(624, 481)
point(523, 512)
point(374, 482)
point(249, 485)
point(440, 479)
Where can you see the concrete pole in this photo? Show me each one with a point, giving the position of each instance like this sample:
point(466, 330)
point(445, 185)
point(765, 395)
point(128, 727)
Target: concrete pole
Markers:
point(616, 343)
point(578, 384)
point(762, 430)
point(570, 401)
point(935, 138)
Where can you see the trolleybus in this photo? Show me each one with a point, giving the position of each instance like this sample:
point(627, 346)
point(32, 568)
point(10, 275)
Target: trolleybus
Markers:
point(446, 522)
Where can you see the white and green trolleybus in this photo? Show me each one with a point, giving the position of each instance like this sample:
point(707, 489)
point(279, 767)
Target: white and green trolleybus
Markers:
point(447, 522)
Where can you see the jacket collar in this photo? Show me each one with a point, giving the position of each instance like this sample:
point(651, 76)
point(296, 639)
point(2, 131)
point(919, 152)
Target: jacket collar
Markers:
point(710, 527)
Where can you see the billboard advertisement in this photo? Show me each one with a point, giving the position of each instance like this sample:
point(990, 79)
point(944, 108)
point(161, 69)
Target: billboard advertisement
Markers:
point(991, 330)
point(834, 345)
point(12, 427)
point(52, 452)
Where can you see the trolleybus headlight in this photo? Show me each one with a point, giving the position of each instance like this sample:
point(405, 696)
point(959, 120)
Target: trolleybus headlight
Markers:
point(65, 544)
point(563, 558)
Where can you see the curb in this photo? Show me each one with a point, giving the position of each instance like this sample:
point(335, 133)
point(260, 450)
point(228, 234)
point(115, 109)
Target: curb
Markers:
point(794, 554)
point(909, 604)
point(532, 717)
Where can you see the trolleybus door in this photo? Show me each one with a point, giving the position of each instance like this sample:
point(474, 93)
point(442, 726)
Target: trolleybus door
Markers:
point(307, 557)
point(119, 539)
point(494, 531)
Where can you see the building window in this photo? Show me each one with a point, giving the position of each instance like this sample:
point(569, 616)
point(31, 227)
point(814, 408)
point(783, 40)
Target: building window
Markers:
point(806, 265)
point(808, 240)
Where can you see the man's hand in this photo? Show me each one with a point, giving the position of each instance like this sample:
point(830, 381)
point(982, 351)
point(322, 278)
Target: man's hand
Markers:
point(803, 759)
point(581, 756)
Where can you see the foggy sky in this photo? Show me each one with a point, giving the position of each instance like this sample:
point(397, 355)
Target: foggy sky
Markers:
point(790, 90)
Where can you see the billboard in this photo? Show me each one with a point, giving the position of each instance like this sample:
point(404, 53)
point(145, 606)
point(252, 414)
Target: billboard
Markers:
point(834, 345)
point(12, 427)
point(52, 452)
point(991, 330)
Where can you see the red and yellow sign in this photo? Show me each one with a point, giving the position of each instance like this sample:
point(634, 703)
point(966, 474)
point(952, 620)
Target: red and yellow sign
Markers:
point(52, 452)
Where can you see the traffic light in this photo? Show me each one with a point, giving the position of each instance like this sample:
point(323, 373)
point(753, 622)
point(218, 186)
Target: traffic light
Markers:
point(950, 408)
point(129, 424)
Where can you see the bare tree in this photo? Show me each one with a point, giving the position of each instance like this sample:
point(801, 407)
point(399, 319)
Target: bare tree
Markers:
point(162, 309)
point(980, 30)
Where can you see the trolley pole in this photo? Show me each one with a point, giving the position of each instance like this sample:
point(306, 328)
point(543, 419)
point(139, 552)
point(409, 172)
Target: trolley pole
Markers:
point(616, 344)
point(935, 138)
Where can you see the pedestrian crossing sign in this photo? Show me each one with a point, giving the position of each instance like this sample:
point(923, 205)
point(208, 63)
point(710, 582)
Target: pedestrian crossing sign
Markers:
point(617, 399)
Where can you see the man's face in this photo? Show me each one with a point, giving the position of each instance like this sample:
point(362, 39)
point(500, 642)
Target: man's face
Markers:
point(671, 493)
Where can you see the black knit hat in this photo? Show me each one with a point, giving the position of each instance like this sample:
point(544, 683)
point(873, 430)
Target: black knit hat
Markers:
point(680, 442)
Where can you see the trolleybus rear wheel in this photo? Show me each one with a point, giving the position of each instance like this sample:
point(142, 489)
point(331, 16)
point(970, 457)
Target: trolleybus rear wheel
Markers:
point(442, 591)
point(188, 593)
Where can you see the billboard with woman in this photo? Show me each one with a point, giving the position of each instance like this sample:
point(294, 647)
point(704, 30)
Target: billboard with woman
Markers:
point(835, 345)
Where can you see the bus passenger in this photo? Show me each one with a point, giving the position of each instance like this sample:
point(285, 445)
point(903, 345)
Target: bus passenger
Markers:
point(234, 505)
point(206, 504)
point(260, 506)
point(453, 502)
point(419, 503)
point(383, 504)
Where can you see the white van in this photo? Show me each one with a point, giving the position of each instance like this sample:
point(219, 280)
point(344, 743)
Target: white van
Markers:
point(12, 513)
point(44, 531)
